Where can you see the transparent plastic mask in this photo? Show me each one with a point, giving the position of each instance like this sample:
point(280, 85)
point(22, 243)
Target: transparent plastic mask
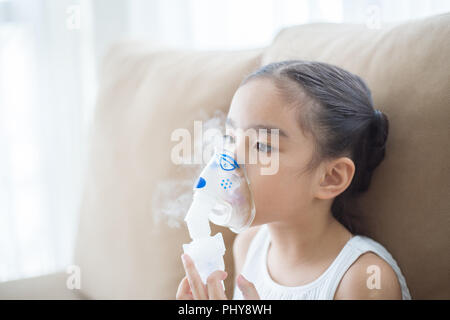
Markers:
point(225, 181)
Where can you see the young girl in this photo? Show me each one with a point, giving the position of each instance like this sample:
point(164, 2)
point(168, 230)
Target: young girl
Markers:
point(302, 244)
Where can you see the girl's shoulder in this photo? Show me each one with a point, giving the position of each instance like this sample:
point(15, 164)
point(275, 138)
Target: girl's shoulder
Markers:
point(371, 275)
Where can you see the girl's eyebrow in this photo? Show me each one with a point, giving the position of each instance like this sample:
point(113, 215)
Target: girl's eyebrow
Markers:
point(267, 128)
point(231, 123)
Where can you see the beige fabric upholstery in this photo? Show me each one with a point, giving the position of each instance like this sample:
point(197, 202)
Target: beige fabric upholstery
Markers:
point(52, 286)
point(407, 68)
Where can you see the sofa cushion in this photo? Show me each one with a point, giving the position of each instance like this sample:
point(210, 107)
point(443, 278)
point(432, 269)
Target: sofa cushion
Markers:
point(407, 68)
point(144, 94)
point(50, 286)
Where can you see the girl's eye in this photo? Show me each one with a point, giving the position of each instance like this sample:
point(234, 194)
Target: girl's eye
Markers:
point(263, 147)
point(228, 139)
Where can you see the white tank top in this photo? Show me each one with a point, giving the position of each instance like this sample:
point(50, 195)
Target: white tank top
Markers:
point(322, 288)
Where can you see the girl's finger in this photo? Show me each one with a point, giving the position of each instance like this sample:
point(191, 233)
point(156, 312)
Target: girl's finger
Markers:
point(248, 289)
point(184, 290)
point(198, 288)
point(214, 285)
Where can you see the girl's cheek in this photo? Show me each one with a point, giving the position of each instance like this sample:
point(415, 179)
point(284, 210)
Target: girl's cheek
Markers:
point(279, 192)
point(264, 188)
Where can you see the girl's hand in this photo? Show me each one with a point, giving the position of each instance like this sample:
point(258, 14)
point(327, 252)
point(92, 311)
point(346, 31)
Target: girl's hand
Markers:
point(192, 288)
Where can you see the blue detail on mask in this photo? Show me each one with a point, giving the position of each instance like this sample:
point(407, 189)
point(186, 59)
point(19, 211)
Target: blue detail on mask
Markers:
point(227, 163)
point(226, 184)
point(201, 183)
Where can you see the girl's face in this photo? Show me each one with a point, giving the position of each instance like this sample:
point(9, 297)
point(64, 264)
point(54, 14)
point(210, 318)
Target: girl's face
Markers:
point(282, 196)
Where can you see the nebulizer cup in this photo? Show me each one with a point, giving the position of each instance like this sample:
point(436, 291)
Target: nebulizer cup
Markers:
point(222, 195)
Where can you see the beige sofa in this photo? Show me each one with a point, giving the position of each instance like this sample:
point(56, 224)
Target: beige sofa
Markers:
point(145, 93)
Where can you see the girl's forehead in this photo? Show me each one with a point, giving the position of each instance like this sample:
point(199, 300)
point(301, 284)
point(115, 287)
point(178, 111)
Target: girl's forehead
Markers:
point(260, 103)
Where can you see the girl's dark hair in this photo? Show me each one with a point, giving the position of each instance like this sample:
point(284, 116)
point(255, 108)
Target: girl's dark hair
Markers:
point(338, 112)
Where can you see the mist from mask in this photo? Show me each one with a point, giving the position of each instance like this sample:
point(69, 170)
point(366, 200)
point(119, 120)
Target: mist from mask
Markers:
point(173, 197)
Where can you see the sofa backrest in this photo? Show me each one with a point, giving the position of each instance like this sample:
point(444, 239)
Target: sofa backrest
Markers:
point(146, 93)
point(407, 68)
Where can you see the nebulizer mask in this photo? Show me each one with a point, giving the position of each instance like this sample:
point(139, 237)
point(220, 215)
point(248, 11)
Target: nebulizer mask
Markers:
point(222, 195)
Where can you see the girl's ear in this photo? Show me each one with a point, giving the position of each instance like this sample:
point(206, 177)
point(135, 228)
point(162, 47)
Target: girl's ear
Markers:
point(335, 178)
